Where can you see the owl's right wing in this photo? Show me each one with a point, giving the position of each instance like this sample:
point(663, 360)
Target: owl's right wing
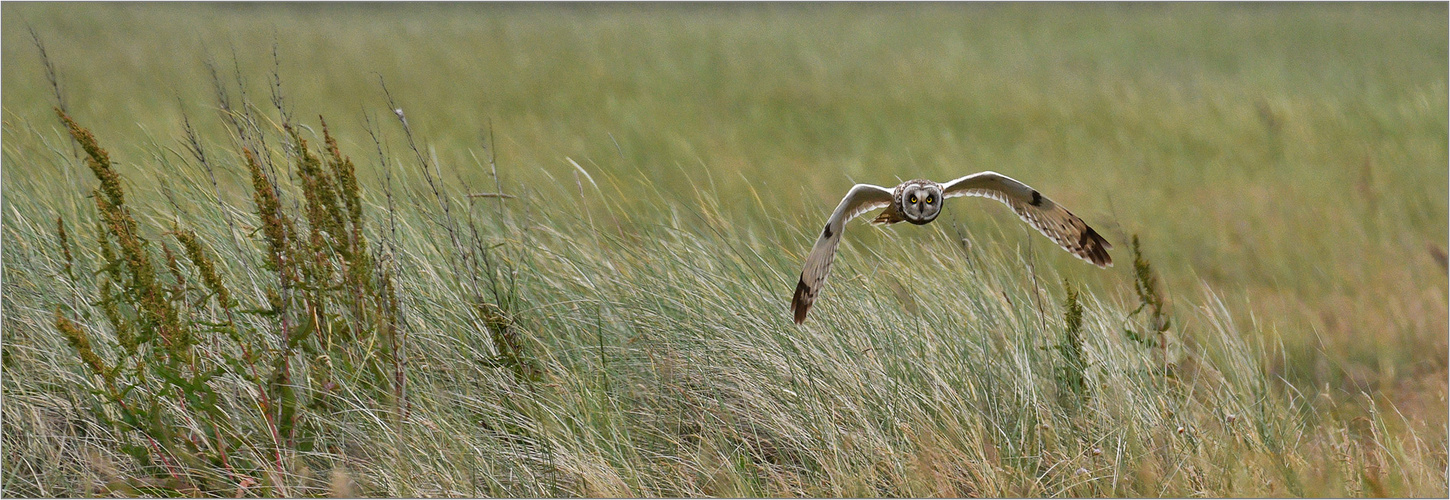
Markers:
point(861, 199)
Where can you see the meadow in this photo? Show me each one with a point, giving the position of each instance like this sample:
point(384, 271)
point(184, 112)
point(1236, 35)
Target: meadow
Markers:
point(548, 250)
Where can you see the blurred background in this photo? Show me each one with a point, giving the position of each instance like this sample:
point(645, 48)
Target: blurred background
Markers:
point(1291, 155)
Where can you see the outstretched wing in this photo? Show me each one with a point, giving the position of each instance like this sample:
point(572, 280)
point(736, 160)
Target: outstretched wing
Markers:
point(861, 199)
point(1051, 219)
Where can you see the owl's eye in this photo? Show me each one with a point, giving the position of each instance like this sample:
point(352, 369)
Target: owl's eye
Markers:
point(913, 198)
point(928, 200)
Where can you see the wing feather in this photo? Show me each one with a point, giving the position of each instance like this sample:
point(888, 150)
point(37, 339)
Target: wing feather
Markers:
point(860, 199)
point(1051, 219)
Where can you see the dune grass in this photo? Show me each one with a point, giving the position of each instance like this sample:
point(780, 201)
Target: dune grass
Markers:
point(1272, 177)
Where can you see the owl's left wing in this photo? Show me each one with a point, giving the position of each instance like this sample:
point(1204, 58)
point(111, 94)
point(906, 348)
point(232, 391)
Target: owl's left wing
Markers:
point(1051, 219)
point(861, 199)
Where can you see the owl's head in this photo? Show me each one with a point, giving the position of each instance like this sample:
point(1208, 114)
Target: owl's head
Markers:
point(920, 203)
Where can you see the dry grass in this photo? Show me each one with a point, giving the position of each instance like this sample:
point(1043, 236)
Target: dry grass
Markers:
point(301, 309)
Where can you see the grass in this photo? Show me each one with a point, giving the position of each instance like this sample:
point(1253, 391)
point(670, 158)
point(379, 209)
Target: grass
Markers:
point(1272, 176)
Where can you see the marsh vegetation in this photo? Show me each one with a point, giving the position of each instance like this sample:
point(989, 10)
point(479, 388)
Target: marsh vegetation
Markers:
point(543, 250)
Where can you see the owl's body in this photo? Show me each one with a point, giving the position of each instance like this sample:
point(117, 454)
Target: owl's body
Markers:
point(919, 201)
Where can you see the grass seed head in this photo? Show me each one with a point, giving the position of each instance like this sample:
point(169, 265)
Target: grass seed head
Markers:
point(1146, 284)
point(96, 158)
point(276, 227)
point(198, 257)
point(79, 341)
point(65, 249)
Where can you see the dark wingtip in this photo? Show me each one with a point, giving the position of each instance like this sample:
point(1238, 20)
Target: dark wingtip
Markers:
point(799, 305)
point(1095, 248)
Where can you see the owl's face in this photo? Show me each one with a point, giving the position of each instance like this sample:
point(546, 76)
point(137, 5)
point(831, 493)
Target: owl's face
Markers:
point(920, 203)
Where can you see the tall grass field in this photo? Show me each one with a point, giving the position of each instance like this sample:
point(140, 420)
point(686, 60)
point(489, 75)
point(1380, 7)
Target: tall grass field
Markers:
point(548, 250)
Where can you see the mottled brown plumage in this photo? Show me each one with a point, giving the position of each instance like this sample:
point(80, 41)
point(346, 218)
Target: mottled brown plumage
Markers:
point(919, 202)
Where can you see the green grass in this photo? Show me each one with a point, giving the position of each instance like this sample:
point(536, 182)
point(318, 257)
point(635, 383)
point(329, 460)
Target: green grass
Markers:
point(1284, 167)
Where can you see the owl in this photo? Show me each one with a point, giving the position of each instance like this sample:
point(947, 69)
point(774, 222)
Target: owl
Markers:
point(920, 201)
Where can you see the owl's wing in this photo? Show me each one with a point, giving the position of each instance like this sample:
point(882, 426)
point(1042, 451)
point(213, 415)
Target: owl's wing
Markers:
point(861, 199)
point(1051, 219)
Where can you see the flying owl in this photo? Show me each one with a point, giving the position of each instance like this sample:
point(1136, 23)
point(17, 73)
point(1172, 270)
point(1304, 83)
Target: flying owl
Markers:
point(920, 201)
